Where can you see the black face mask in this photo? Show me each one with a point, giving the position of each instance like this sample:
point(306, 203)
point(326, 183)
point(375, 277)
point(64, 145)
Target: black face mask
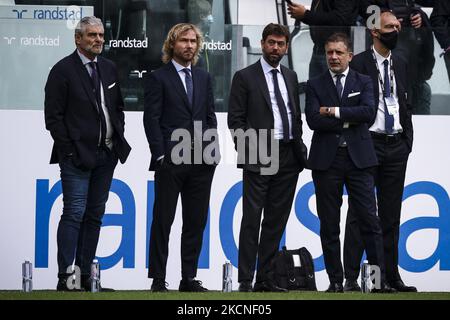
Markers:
point(389, 39)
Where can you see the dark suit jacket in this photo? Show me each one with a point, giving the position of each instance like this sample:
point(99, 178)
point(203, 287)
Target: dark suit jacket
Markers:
point(328, 17)
point(359, 110)
point(167, 108)
point(250, 108)
point(440, 20)
point(71, 113)
point(365, 64)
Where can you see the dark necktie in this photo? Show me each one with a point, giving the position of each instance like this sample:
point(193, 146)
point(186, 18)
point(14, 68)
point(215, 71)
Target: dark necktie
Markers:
point(96, 82)
point(339, 90)
point(189, 86)
point(281, 106)
point(388, 118)
point(339, 87)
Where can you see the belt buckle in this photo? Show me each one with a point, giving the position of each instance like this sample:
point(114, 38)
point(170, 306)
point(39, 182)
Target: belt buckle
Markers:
point(391, 138)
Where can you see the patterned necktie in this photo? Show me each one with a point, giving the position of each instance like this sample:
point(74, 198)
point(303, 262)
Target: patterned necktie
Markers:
point(189, 86)
point(388, 118)
point(339, 87)
point(96, 82)
point(281, 106)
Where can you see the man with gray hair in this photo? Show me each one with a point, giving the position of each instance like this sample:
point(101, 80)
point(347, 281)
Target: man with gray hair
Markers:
point(84, 114)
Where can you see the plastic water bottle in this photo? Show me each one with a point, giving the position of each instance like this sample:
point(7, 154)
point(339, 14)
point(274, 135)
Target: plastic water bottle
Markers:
point(227, 281)
point(366, 281)
point(95, 276)
point(27, 276)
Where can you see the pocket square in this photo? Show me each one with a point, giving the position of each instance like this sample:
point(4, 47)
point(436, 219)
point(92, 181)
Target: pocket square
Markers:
point(353, 94)
point(112, 85)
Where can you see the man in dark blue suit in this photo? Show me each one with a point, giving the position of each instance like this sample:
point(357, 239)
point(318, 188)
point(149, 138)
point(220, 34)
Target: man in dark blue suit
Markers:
point(179, 99)
point(84, 114)
point(339, 105)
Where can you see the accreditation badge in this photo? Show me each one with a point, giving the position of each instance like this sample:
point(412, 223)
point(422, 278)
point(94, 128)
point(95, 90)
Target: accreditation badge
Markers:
point(391, 105)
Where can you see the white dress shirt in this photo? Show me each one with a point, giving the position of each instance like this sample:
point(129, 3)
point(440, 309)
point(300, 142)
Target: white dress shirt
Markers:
point(378, 125)
point(109, 129)
point(337, 113)
point(278, 124)
point(181, 73)
point(182, 76)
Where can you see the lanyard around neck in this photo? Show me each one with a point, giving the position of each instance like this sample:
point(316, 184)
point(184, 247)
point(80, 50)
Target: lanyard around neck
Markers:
point(391, 64)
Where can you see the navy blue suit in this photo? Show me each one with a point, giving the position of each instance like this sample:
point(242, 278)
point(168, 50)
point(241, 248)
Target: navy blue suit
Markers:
point(334, 165)
point(73, 118)
point(167, 108)
point(358, 110)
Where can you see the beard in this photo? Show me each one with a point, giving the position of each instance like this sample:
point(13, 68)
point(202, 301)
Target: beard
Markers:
point(273, 59)
point(93, 48)
point(185, 56)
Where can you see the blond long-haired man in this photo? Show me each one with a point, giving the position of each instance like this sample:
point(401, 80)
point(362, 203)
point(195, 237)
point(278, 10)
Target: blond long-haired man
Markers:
point(179, 98)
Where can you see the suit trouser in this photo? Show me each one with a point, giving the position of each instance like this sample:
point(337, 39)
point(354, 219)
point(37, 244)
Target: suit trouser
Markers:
point(274, 195)
point(329, 186)
point(193, 182)
point(389, 178)
point(85, 193)
point(447, 64)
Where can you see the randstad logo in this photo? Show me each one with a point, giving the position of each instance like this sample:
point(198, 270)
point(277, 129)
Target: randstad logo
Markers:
point(19, 13)
point(53, 13)
point(217, 45)
point(47, 194)
point(129, 43)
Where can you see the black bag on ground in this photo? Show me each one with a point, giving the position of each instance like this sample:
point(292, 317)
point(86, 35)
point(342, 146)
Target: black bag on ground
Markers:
point(294, 269)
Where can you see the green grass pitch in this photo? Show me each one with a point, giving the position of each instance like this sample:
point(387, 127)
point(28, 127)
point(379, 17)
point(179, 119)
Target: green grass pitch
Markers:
point(215, 295)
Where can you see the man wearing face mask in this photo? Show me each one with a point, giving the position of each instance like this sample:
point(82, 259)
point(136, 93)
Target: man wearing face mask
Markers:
point(415, 45)
point(392, 135)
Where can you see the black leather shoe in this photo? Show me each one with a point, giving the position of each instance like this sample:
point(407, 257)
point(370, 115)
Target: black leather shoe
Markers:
point(191, 285)
point(335, 287)
point(103, 289)
point(62, 286)
point(245, 286)
point(159, 285)
point(267, 286)
point(385, 288)
point(86, 285)
point(351, 286)
point(401, 287)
